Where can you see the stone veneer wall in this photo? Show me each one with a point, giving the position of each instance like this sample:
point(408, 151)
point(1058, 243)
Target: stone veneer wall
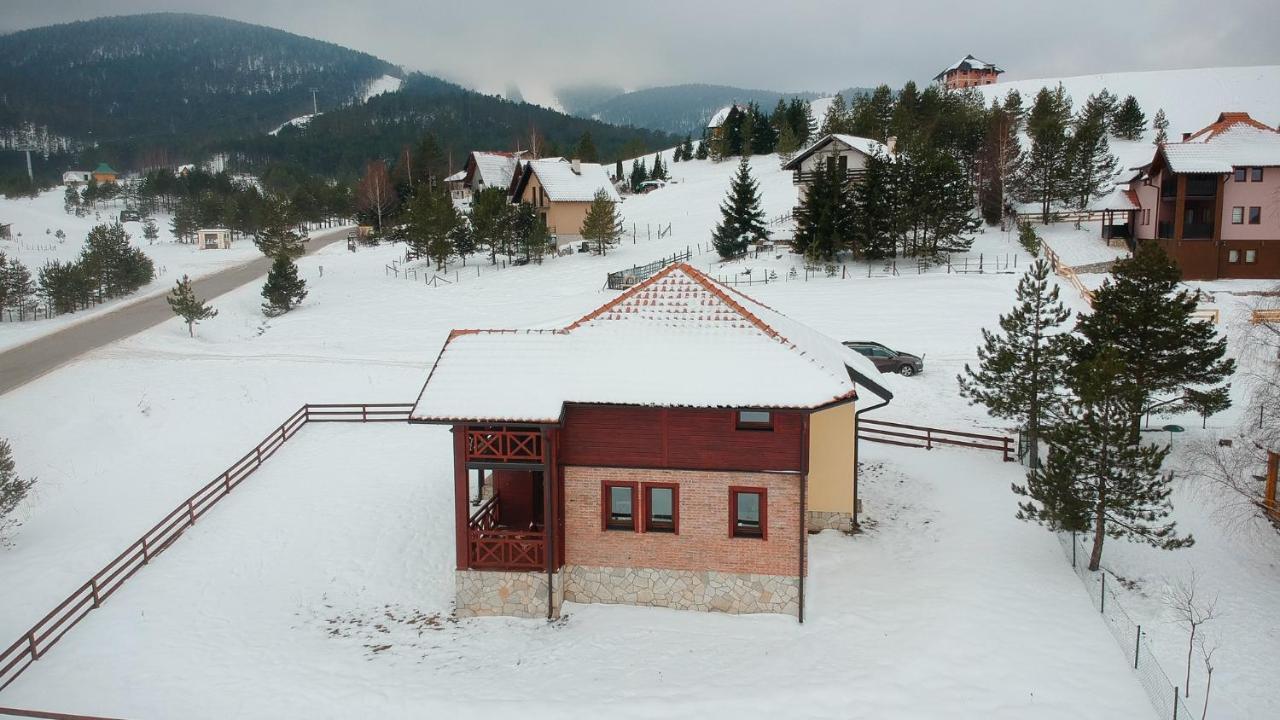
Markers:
point(818, 520)
point(684, 589)
point(508, 593)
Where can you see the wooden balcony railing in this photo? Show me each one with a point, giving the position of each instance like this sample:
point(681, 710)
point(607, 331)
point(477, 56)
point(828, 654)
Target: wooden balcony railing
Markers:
point(504, 444)
point(493, 548)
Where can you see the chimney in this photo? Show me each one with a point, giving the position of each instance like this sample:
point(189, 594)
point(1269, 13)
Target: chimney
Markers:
point(1186, 136)
point(891, 142)
point(576, 165)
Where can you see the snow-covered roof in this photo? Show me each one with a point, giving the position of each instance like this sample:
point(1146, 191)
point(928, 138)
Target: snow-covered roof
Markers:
point(1120, 198)
point(492, 169)
point(720, 116)
point(1234, 140)
point(562, 182)
point(866, 146)
point(678, 339)
point(968, 62)
point(458, 176)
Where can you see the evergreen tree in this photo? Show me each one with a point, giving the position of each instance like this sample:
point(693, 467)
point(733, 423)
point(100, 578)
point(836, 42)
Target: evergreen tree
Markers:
point(788, 144)
point(764, 138)
point(687, 148)
point(463, 239)
point(1142, 315)
point(13, 489)
point(64, 286)
point(150, 231)
point(1128, 122)
point(1045, 170)
point(639, 174)
point(586, 148)
point(18, 291)
point(184, 223)
point(1021, 368)
point(703, 151)
point(70, 199)
point(277, 236)
point(1160, 124)
point(874, 207)
point(432, 221)
point(903, 121)
point(284, 290)
point(938, 213)
point(1097, 479)
point(742, 220)
point(836, 119)
point(1092, 166)
point(488, 219)
point(617, 171)
point(114, 267)
point(997, 163)
point(659, 172)
point(182, 299)
point(825, 216)
point(873, 114)
point(746, 134)
point(529, 232)
point(1013, 106)
point(602, 226)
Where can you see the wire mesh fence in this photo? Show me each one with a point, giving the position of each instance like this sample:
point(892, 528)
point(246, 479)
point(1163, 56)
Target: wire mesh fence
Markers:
point(1164, 695)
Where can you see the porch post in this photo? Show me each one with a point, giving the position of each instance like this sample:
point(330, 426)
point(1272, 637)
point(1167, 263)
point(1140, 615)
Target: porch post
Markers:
point(461, 510)
point(1269, 495)
point(1179, 207)
point(549, 524)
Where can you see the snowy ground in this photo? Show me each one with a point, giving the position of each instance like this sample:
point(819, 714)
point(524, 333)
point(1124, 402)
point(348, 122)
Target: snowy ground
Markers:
point(948, 605)
point(35, 222)
point(1082, 246)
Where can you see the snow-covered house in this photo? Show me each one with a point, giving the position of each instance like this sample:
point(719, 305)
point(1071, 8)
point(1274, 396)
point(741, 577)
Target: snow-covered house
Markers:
point(968, 72)
point(715, 126)
point(214, 238)
point(491, 169)
point(562, 191)
point(76, 177)
point(633, 457)
point(848, 152)
point(1212, 200)
point(456, 183)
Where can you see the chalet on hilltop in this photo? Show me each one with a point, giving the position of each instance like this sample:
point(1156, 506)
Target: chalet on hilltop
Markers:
point(848, 152)
point(636, 456)
point(561, 191)
point(968, 72)
point(1212, 201)
point(491, 169)
point(715, 126)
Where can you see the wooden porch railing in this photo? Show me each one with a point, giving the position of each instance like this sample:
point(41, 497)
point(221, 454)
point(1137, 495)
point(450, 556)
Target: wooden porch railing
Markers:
point(44, 634)
point(504, 444)
point(892, 433)
point(493, 548)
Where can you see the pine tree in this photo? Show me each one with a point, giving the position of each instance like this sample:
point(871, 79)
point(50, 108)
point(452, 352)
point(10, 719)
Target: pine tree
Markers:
point(1128, 122)
point(18, 291)
point(873, 114)
point(687, 148)
point(182, 299)
point(277, 236)
point(703, 151)
point(1097, 479)
point(1161, 125)
point(746, 134)
point(13, 489)
point(997, 163)
point(1092, 166)
point(184, 223)
point(1045, 170)
point(659, 172)
point(939, 212)
point(1021, 368)
point(764, 138)
point(284, 290)
point(836, 119)
point(586, 148)
point(1142, 314)
point(742, 220)
point(1013, 106)
point(874, 207)
point(825, 216)
point(488, 219)
point(432, 219)
point(602, 226)
point(903, 121)
point(638, 174)
point(788, 145)
point(150, 231)
point(113, 265)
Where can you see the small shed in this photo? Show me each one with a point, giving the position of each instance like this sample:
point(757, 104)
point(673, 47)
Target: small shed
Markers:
point(104, 173)
point(76, 177)
point(214, 238)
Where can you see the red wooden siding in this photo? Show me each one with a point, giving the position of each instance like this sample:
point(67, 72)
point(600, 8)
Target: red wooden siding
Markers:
point(678, 438)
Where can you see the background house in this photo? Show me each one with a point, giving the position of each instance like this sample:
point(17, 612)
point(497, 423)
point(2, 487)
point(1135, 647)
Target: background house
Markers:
point(715, 126)
point(562, 191)
point(76, 177)
point(1212, 200)
point(697, 494)
point(104, 174)
point(968, 72)
point(214, 238)
point(849, 152)
point(491, 169)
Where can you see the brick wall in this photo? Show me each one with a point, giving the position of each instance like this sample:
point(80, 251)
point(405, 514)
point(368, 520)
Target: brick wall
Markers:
point(703, 542)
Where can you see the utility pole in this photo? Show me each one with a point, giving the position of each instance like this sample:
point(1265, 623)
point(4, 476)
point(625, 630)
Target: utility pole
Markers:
point(314, 108)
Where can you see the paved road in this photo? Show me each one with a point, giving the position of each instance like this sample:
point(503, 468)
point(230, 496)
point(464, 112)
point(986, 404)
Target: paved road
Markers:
point(24, 363)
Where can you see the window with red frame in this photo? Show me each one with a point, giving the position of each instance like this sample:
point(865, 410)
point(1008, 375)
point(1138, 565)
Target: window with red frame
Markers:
point(618, 505)
point(748, 512)
point(662, 508)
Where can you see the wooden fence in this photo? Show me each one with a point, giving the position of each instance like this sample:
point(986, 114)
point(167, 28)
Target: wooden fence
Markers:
point(917, 436)
point(624, 279)
point(36, 641)
point(1068, 274)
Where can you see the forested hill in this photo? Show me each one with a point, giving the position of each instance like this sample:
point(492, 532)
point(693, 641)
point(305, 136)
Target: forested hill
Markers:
point(676, 109)
point(195, 77)
point(459, 120)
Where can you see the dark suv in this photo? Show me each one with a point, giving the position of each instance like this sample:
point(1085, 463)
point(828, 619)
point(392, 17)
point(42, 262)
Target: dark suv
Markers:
point(888, 360)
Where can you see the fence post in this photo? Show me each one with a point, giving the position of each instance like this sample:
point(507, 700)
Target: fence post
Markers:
point(1073, 550)
point(1175, 702)
point(31, 642)
point(928, 439)
point(93, 587)
point(146, 552)
point(1102, 597)
point(1137, 646)
point(191, 512)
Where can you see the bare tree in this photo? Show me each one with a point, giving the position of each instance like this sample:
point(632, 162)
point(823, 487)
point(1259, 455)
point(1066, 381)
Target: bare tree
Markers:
point(1193, 610)
point(1207, 649)
point(375, 193)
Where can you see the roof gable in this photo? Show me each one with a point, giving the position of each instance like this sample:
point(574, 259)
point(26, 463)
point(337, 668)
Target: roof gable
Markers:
point(1233, 140)
point(563, 183)
point(861, 145)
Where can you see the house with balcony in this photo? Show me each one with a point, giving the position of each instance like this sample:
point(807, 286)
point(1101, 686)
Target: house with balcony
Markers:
point(561, 191)
point(968, 72)
point(490, 169)
point(634, 457)
point(849, 152)
point(1212, 200)
point(720, 119)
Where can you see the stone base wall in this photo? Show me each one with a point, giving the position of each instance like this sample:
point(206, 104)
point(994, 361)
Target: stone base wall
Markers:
point(508, 593)
point(683, 589)
point(819, 520)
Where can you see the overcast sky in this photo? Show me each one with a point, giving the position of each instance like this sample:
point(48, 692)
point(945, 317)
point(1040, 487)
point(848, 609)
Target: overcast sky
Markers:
point(787, 45)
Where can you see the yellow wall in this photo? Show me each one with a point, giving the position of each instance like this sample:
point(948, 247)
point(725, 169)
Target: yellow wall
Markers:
point(831, 459)
point(565, 218)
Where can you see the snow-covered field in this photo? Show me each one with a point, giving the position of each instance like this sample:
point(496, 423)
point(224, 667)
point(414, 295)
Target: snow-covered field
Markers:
point(278, 602)
point(37, 220)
